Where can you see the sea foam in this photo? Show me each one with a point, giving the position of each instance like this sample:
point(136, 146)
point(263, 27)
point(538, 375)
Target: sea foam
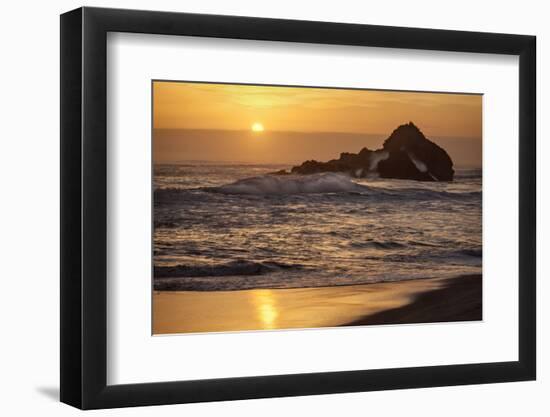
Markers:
point(292, 184)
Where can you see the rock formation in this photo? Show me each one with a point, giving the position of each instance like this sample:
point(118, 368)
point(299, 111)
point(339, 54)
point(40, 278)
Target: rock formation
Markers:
point(412, 156)
point(406, 154)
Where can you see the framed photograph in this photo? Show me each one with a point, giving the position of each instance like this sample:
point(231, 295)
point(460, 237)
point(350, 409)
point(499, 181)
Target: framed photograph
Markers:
point(257, 208)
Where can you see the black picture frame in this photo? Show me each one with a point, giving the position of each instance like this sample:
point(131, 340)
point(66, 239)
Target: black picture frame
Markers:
point(84, 207)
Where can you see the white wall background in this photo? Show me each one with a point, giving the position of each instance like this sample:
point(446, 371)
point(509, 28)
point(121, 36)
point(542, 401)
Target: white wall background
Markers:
point(29, 226)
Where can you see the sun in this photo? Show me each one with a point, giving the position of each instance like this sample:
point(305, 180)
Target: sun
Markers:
point(257, 127)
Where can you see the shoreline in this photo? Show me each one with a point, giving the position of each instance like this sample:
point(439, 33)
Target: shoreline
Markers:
point(460, 299)
point(427, 300)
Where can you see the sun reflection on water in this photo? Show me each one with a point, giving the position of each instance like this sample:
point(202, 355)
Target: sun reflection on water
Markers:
point(266, 308)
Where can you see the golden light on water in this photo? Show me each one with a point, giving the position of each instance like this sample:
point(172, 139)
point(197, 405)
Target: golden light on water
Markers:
point(266, 308)
point(257, 127)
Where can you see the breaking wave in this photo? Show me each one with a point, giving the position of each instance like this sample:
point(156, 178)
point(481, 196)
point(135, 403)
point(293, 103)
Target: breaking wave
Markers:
point(292, 184)
point(232, 268)
point(325, 183)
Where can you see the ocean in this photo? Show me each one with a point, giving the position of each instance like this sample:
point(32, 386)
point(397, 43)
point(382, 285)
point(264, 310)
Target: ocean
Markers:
point(232, 226)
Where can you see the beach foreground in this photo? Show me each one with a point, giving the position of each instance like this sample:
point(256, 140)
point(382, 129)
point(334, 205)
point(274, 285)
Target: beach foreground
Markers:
point(413, 301)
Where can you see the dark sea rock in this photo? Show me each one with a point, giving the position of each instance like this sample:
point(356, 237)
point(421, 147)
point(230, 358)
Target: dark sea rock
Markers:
point(399, 165)
point(407, 142)
point(280, 172)
point(406, 154)
point(355, 164)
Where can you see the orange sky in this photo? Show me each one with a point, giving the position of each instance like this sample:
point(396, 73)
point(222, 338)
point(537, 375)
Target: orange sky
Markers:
point(232, 107)
point(179, 105)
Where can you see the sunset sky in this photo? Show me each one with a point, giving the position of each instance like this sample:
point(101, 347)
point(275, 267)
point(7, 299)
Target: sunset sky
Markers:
point(262, 113)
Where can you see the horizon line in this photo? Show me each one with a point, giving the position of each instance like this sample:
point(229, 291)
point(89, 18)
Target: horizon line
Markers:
point(267, 131)
point(227, 161)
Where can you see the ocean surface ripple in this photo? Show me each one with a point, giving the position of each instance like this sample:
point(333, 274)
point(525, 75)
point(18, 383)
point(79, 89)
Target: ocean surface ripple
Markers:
point(234, 226)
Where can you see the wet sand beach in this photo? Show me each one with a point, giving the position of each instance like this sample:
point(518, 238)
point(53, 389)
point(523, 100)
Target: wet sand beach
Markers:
point(413, 301)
